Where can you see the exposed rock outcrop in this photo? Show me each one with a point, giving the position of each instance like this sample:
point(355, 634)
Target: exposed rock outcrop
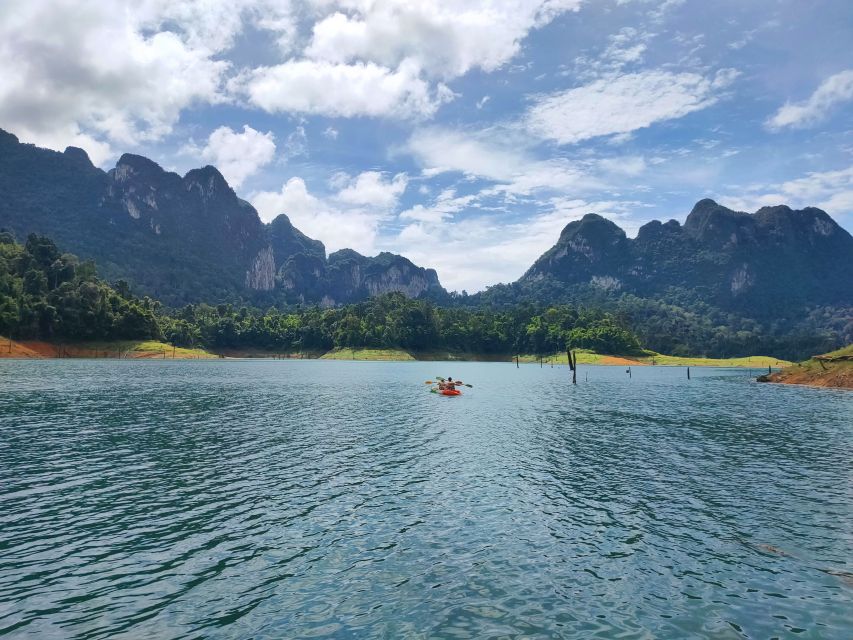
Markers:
point(261, 275)
point(180, 238)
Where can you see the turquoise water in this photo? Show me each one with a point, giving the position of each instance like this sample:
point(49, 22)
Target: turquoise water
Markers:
point(287, 499)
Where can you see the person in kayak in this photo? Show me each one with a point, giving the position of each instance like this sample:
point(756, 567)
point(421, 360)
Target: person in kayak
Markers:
point(449, 384)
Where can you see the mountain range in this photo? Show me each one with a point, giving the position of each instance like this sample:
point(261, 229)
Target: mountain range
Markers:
point(184, 239)
point(759, 264)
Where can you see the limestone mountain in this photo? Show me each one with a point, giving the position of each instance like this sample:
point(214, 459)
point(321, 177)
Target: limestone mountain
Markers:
point(183, 239)
point(758, 264)
point(724, 283)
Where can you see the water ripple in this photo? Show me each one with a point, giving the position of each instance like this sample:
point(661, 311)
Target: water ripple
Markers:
point(317, 499)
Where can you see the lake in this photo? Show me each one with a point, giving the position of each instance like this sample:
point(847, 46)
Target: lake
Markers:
point(297, 499)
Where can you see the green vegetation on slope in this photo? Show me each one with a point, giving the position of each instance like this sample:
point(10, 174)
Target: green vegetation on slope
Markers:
point(393, 321)
point(53, 296)
point(843, 352)
point(745, 362)
point(346, 353)
point(589, 357)
point(148, 347)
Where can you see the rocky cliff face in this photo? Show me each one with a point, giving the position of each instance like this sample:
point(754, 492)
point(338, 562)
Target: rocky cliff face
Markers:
point(351, 274)
point(179, 238)
point(588, 248)
point(261, 273)
point(348, 275)
point(730, 259)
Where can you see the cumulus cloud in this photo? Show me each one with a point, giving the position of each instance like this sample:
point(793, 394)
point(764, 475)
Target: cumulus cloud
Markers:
point(236, 155)
point(91, 74)
point(349, 217)
point(623, 103)
point(103, 74)
point(444, 37)
point(341, 90)
point(835, 90)
point(388, 59)
point(371, 189)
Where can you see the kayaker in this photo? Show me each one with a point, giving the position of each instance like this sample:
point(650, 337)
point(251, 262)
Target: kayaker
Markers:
point(450, 384)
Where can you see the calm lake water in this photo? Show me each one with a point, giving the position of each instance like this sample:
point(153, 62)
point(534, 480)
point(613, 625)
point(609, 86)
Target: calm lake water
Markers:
point(288, 499)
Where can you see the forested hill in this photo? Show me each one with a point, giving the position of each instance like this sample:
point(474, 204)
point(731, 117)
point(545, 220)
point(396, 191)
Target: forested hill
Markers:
point(760, 264)
point(725, 282)
point(49, 295)
point(183, 239)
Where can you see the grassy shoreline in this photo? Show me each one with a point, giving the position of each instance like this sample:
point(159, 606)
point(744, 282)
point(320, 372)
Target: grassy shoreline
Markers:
point(585, 356)
point(151, 349)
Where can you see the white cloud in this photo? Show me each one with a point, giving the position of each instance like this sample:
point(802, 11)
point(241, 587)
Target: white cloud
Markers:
point(834, 90)
point(623, 103)
point(480, 250)
point(828, 190)
point(236, 155)
point(438, 149)
point(479, 155)
point(90, 73)
point(66, 134)
point(340, 90)
point(381, 59)
point(444, 37)
point(348, 218)
point(317, 218)
point(331, 133)
point(446, 204)
point(371, 189)
point(99, 75)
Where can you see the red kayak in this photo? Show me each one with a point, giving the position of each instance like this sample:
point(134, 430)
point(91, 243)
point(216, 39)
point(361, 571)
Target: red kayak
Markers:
point(450, 392)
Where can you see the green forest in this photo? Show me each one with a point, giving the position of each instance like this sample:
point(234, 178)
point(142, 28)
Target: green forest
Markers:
point(45, 294)
point(395, 321)
point(49, 295)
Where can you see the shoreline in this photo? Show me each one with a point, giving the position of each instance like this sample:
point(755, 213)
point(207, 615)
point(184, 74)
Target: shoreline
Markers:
point(154, 350)
point(829, 371)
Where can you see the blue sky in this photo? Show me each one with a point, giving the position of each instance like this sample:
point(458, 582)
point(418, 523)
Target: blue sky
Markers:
point(463, 134)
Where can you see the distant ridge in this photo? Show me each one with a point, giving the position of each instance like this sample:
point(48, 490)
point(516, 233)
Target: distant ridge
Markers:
point(187, 239)
point(183, 239)
point(775, 259)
